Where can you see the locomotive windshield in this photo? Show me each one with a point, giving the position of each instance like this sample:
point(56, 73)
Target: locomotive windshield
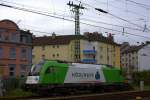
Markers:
point(35, 70)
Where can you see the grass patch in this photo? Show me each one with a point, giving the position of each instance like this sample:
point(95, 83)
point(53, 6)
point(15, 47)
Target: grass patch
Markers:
point(17, 93)
point(138, 87)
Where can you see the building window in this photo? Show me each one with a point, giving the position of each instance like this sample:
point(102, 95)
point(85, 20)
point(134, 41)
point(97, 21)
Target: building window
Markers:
point(43, 56)
point(12, 53)
point(57, 46)
point(12, 70)
point(57, 55)
point(108, 58)
point(129, 55)
point(24, 39)
point(6, 37)
point(43, 47)
point(107, 49)
point(93, 56)
point(14, 37)
point(101, 48)
point(1, 52)
point(114, 54)
point(126, 59)
point(76, 56)
point(2, 30)
point(29, 54)
point(1, 36)
point(93, 47)
point(33, 56)
point(133, 58)
point(23, 54)
point(53, 55)
point(22, 70)
point(101, 56)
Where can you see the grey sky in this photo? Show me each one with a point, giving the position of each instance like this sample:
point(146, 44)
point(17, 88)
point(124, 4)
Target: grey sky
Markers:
point(121, 8)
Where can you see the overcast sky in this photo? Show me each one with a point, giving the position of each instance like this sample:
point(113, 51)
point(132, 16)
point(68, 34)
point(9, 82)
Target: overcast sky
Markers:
point(125, 9)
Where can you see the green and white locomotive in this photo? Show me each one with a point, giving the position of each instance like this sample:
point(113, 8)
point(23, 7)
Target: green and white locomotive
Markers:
point(56, 76)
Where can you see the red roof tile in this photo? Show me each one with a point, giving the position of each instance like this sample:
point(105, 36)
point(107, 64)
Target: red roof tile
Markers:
point(65, 39)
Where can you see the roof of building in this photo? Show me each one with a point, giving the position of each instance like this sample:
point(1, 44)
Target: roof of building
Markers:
point(65, 39)
point(25, 32)
point(134, 48)
point(12, 28)
point(11, 22)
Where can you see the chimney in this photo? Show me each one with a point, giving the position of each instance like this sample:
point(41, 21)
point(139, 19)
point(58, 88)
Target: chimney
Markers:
point(33, 36)
point(28, 31)
point(111, 37)
point(95, 33)
point(147, 42)
point(53, 35)
point(86, 34)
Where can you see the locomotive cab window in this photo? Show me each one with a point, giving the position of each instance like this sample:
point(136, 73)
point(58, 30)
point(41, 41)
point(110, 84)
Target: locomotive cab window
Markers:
point(50, 70)
point(36, 68)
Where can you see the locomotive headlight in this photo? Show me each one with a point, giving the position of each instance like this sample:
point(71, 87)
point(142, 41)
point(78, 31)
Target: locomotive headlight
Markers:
point(37, 78)
point(32, 79)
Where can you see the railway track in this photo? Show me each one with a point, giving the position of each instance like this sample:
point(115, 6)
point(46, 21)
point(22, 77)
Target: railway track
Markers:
point(127, 95)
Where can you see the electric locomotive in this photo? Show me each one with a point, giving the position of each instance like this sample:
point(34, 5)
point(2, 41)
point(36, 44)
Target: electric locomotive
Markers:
point(57, 76)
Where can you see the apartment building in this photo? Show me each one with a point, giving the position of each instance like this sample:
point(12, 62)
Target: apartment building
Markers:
point(94, 48)
point(15, 50)
point(136, 58)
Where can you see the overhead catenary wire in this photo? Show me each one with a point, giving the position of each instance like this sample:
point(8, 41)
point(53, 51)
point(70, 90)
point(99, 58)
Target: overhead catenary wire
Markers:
point(33, 11)
point(140, 4)
point(23, 5)
point(106, 12)
point(116, 30)
point(33, 8)
point(36, 8)
point(119, 8)
point(116, 7)
point(95, 21)
point(90, 20)
point(58, 17)
point(24, 29)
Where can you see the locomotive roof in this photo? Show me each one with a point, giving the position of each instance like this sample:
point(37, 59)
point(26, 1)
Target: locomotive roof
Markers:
point(81, 65)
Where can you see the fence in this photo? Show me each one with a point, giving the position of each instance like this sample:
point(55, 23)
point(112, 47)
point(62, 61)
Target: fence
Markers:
point(12, 83)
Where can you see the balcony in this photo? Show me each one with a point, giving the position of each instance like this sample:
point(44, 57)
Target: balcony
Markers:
point(89, 60)
point(89, 51)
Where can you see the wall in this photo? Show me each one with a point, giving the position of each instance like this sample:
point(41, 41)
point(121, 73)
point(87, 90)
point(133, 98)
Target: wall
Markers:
point(10, 36)
point(117, 56)
point(66, 52)
point(144, 58)
point(52, 52)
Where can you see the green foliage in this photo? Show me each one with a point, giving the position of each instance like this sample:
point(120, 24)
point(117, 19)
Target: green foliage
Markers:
point(141, 76)
point(17, 93)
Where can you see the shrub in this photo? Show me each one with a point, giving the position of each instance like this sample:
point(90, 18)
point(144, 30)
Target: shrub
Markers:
point(141, 76)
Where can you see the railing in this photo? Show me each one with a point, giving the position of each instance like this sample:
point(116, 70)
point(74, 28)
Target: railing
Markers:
point(89, 60)
point(89, 51)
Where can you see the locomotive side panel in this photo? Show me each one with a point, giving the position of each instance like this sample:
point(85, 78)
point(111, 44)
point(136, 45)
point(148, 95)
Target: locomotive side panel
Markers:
point(84, 73)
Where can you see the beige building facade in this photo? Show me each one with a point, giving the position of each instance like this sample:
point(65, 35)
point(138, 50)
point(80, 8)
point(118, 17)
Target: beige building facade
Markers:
point(94, 49)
